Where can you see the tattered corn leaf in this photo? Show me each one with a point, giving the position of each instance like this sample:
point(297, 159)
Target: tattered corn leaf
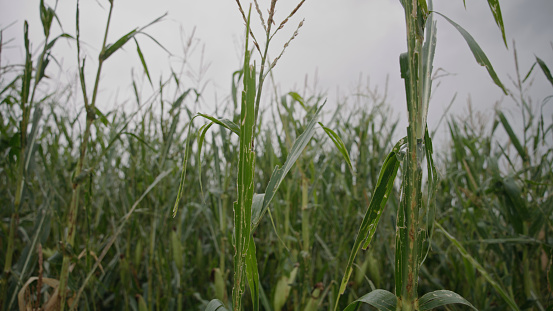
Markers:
point(478, 53)
point(441, 298)
point(216, 305)
point(428, 51)
point(381, 299)
point(496, 11)
point(226, 123)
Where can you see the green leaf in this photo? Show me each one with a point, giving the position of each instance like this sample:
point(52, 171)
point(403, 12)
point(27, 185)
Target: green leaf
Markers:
point(102, 117)
point(46, 16)
point(112, 48)
point(381, 299)
point(423, 6)
point(339, 144)
point(512, 136)
point(502, 292)
point(28, 71)
point(201, 137)
point(245, 181)
point(430, 206)
point(441, 298)
point(545, 70)
point(496, 11)
point(183, 172)
point(27, 257)
point(63, 35)
point(143, 61)
point(259, 209)
point(428, 51)
point(252, 274)
point(479, 55)
point(298, 98)
point(215, 305)
point(384, 187)
point(226, 123)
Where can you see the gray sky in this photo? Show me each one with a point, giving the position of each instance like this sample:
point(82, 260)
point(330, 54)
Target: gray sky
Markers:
point(340, 41)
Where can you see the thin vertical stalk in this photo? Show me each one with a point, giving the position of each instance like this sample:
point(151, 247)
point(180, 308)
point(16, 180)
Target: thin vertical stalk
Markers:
point(71, 223)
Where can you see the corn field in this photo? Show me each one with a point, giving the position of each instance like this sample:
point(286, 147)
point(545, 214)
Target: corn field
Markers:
point(276, 201)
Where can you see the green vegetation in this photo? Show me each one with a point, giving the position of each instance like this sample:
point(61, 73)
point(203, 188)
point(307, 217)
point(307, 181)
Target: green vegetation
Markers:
point(167, 208)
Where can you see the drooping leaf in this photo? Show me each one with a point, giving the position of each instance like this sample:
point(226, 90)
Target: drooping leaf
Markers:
point(112, 48)
point(545, 70)
point(183, 172)
point(298, 98)
point(201, 137)
point(441, 298)
point(339, 144)
point(226, 123)
point(143, 61)
point(478, 53)
point(381, 299)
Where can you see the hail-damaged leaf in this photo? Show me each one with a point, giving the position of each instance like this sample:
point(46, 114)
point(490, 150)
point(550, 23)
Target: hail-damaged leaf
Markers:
point(496, 11)
point(381, 299)
point(478, 53)
point(215, 305)
point(226, 123)
point(441, 298)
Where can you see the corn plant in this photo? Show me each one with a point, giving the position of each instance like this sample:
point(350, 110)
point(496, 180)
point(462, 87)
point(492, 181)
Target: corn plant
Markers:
point(249, 208)
point(415, 218)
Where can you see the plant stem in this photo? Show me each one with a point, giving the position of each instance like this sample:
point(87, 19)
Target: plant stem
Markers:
point(408, 238)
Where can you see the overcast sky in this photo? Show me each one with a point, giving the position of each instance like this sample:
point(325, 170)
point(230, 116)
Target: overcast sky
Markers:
point(340, 41)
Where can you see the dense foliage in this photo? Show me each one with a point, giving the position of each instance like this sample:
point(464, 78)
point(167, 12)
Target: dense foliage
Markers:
point(118, 173)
